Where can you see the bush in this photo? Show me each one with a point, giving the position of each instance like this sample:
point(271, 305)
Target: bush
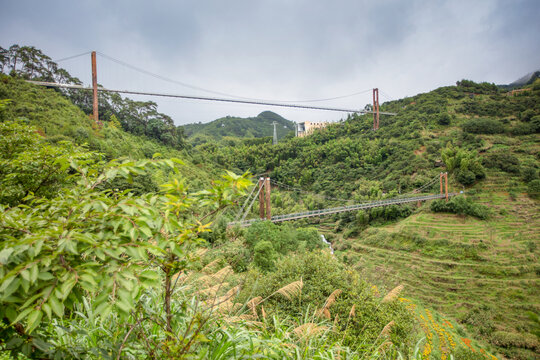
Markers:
point(283, 238)
point(322, 274)
point(444, 119)
point(264, 255)
point(483, 126)
point(308, 236)
point(523, 129)
point(465, 177)
point(460, 205)
point(534, 189)
point(504, 161)
point(529, 174)
point(527, 115)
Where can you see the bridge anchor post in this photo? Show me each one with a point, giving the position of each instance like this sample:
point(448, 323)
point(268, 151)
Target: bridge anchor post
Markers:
point(267, 191)
point(446, 184)
point(95, 108)
point(261, 198)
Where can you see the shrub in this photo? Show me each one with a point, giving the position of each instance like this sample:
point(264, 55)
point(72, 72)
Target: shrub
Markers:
point(504, 161)
point(464, 163)
point(264, 255)
point(523, 129)
point(529, 174)
point(283, 238)
point(534, 189)
point(460, 205)
point(444, 119)
point(309, 236)
point(322, 274)
point(483, 126)
point(527, 115)
point(465, 177)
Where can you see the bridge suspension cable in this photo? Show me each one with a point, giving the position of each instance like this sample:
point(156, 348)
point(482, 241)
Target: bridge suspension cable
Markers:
point(251, 204)
point(194, 87)
point(290, 188)
point(241, 211)
point(191, 97)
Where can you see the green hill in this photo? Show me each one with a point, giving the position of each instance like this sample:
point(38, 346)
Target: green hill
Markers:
point(58, 119)
point(252, 127)
point(98, 261)
point(481, 270)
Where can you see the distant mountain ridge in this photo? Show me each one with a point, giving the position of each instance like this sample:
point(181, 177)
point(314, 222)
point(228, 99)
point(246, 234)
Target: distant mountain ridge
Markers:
point(522, 81)
point(252, 127)
point(527, 79)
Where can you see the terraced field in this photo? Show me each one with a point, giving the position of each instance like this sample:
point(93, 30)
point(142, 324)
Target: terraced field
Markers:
point(482, 273)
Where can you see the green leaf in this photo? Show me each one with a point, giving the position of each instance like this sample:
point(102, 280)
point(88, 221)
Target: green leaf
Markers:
point(13, 286)
point(4, 255)
point(47, 309)
point(25, 274)
point(45, 276)
point(33, 320)
point(56, 305)
point(22, 314)
point(66, 287)
point(34, 272)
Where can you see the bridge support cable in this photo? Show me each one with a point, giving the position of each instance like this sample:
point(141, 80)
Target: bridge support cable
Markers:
point(205, 98)
point(241, 211)
point(423, 187)
point(250, 205)
point(290, 188)
point(329, 211)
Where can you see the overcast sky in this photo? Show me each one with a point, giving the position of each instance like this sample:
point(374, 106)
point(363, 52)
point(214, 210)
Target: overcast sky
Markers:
point(282, 49)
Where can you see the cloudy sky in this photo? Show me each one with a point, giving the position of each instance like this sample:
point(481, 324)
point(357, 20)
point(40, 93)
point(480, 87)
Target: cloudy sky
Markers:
point(282, 49)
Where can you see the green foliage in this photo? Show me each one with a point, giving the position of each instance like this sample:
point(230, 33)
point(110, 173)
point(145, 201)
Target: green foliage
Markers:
point(504, 161)
point(29, 166)
point(100, 242)
point(283, 238)
point(483, 126)
point(321, 275)
point(460, 205)
point(444, 119)
point(533, 189)
point(529, 174)
point(264, 255)
point(465, 164)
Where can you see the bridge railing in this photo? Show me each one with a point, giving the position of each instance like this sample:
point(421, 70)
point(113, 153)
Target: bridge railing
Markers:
point(334, 210)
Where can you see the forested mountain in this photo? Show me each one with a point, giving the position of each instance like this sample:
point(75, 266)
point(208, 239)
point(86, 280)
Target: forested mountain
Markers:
point(114, 238)
point(252, 127)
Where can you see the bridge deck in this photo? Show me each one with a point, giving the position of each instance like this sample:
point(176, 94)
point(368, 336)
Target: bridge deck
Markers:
point(329, 211)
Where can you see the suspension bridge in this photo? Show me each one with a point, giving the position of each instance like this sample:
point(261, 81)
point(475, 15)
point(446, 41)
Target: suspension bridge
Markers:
point(263, 193)
point(228, 99)
point(264, 183)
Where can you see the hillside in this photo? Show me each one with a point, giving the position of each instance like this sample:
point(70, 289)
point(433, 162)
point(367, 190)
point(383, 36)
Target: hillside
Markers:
point(481, 270)
point(58, 119)
point(252, 127)
point(106, 250)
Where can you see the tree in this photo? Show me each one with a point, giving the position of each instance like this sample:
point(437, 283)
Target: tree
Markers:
point(463, 163)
